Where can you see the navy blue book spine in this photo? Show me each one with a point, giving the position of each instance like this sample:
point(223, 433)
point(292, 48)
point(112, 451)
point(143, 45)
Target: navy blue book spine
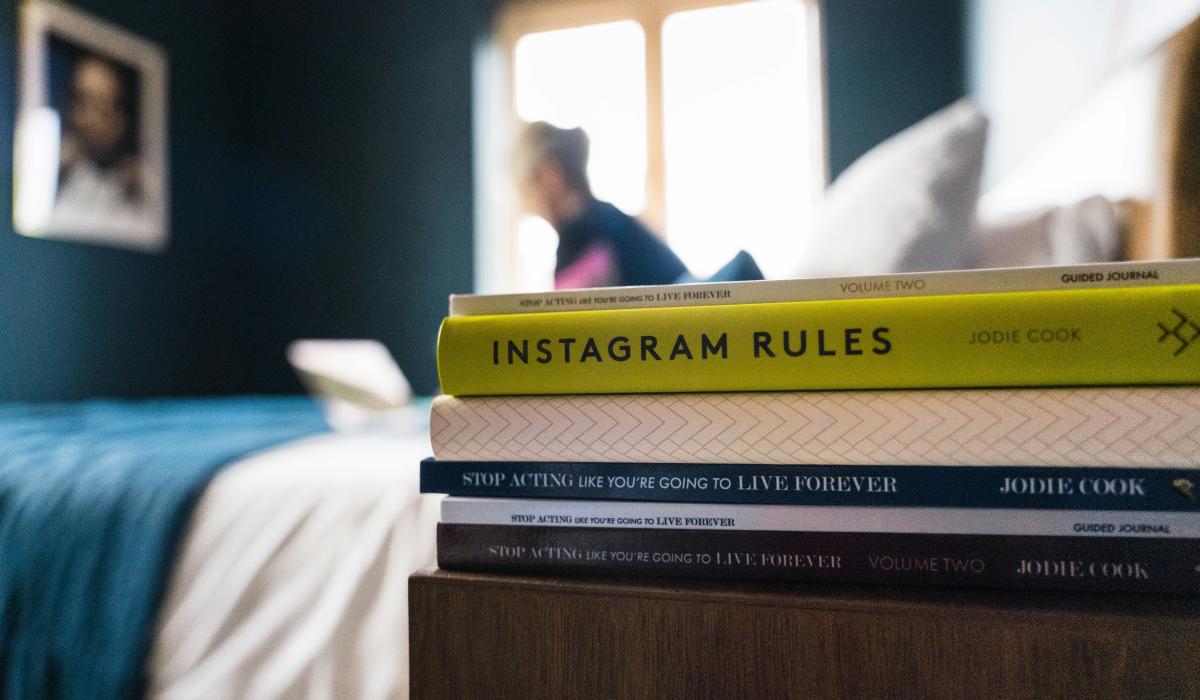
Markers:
point(983, 561)
point(1069, 488)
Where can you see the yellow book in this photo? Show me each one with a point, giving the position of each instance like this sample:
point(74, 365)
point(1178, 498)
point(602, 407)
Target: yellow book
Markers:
point(1137, 335)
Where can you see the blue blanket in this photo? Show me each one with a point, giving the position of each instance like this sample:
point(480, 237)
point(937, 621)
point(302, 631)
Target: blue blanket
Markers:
point(94, 499)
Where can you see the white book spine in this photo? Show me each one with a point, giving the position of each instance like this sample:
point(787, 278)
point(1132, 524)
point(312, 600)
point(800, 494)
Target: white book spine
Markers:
point(1056, 427)
point(1021, 279)
point(777, 518)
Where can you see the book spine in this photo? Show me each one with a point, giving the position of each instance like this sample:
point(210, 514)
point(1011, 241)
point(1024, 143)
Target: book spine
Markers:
point(1062, 563)
point(876, 519)
point(1137, 335)
point(1075, 488)
point(1101, 275)
point(1143, 427)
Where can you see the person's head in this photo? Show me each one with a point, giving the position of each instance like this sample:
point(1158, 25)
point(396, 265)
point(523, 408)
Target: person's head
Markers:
point(98, 113)
point(550, 166)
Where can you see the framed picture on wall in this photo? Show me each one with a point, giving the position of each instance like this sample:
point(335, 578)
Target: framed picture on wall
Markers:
point(90, 161)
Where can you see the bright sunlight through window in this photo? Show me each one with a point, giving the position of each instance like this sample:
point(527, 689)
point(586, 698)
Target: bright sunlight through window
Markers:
point(594, 77)
point(737, 134)
point(706, 119)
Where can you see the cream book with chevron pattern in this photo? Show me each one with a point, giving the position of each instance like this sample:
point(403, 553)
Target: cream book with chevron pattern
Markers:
point(1052, 427)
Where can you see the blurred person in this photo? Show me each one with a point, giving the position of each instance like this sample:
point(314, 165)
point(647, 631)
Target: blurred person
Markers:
point(101, 178)
point(598, 244)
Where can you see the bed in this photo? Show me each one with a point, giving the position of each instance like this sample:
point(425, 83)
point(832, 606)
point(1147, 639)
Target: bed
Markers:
point(273, 565)
point(293, 579)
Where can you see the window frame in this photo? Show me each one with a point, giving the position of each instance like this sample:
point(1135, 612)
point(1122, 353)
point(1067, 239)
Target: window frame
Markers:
point(496, 120)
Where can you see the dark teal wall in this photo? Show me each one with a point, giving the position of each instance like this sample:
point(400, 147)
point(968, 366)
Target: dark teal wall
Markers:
point(322, 187)
point(888, 64)
point(80, 320)
point(356, 130)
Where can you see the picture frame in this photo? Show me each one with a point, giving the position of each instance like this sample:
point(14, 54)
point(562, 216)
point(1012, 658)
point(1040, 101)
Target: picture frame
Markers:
point(90, 151)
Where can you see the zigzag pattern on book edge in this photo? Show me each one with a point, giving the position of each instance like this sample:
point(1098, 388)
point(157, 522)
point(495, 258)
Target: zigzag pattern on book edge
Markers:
point(1102, 427)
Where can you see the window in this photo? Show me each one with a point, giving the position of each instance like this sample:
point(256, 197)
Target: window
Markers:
point(705, 118)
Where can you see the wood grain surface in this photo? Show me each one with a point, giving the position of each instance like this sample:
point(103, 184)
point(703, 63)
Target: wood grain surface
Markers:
point(490, 636)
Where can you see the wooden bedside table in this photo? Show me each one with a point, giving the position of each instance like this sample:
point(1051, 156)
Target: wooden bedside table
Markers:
point(500, 636)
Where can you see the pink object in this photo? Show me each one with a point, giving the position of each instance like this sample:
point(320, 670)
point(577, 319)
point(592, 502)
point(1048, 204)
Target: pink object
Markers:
point(596, 267)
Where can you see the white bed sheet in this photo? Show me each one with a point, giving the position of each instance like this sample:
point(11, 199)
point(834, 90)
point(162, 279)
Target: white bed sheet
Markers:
point(292, 581)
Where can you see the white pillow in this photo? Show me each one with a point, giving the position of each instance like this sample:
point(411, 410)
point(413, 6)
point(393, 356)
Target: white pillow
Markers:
point(907, 205)
point(1085, 232)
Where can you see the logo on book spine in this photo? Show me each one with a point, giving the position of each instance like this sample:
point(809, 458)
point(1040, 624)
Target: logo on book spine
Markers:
point(1185, 487)
point(1185, 331)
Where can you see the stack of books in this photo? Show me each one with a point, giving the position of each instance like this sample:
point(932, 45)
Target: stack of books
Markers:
point(1023, 428)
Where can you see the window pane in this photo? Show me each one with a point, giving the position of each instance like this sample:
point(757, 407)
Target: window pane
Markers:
point(739, 152)
point(536, 246)
point(594, 77)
